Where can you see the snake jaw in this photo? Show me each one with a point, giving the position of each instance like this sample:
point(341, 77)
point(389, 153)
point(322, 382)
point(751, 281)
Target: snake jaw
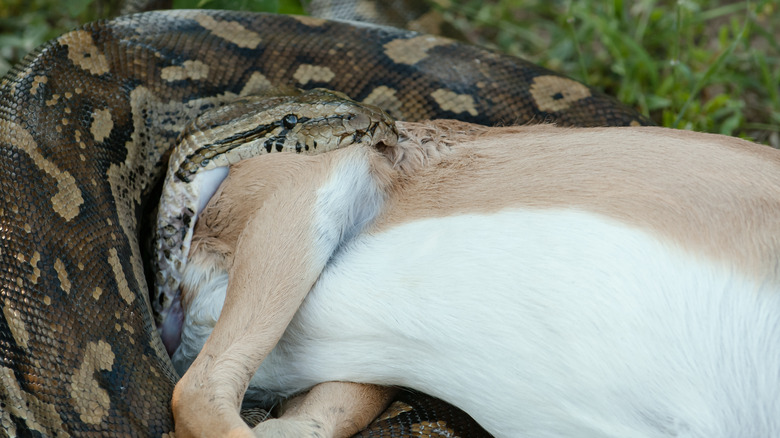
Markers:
point(172, 320)
point(179, 209)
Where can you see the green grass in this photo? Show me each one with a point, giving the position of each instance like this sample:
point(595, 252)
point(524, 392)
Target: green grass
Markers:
point(688, 64)
point(703, 65)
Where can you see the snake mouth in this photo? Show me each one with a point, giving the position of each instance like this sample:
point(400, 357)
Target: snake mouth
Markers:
point(174, 224)
point(172, 320)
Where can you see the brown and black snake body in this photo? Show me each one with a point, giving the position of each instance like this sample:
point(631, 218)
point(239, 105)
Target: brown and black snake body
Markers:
point(85, 125)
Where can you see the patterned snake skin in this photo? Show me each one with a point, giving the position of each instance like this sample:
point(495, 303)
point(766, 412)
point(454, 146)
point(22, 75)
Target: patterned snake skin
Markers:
point(85, 125)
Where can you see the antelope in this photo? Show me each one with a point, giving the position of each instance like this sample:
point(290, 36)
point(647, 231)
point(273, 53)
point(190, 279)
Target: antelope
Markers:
point(549, 281)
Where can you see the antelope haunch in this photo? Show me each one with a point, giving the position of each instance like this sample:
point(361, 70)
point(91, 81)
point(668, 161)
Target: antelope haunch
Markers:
point(551, 282)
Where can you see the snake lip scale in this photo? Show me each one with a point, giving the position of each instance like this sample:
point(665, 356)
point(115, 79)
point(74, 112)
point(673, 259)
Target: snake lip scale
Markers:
point(86, 124)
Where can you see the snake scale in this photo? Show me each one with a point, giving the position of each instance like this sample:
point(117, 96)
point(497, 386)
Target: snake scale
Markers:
point(86, 123)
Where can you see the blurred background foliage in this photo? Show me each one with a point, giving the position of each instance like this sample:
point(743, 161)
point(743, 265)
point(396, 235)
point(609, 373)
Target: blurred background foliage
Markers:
point(704, 65)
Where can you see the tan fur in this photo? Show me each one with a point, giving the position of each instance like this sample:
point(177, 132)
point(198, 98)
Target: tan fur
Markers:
point(217, 379)
point(339, 409)
point(233, 234)
point(694, 189)
point(714, 196)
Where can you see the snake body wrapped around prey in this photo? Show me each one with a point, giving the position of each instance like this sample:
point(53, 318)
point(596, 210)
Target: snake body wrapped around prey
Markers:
point(86, 123)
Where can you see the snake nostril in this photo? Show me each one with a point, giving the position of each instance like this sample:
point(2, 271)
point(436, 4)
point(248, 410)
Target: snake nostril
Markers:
point(289, 121)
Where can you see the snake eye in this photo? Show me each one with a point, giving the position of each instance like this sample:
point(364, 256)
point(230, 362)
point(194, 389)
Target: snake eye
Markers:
point(289, 121)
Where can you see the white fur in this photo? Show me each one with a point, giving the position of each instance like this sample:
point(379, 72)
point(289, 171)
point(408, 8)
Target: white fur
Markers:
point(205, 184)
point(200, 318)
point(538, 323)
point(350, 199)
